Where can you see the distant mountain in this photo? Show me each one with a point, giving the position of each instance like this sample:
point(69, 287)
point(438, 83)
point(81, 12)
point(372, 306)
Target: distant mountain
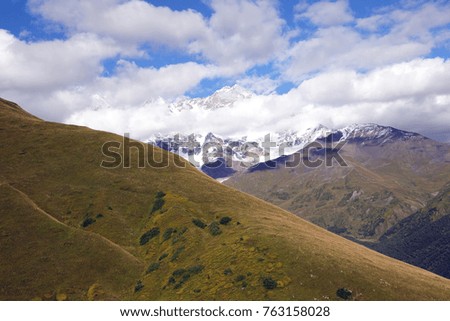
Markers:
point(238, 150)
point(73, 230)
point(390, 175)
point(224, 97)
point(423, 238)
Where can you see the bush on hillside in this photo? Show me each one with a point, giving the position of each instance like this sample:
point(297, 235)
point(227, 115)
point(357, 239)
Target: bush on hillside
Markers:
point(199, 223)
point(152, 267)
point(177, 253)
point(214, 229)
point(160, 194)
point(344, 293)
point(88, 221)
point(159, 201)
point(227, 271)
point(269, 283)
point(147, 236)
point(168, 233)
point(195, 269)
point(225, 220)
point(139, 286)
point(163, 256)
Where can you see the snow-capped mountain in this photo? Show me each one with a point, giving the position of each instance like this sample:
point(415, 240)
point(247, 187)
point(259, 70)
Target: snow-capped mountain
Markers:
point(211, 150)
point(373, 132)
point(205, 150)
point(225, 97)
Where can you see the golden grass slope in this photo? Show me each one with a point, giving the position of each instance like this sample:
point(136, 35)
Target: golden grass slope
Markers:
point(52, 183)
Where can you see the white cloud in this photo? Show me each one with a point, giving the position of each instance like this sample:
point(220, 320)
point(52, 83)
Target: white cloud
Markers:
point(387, 38)
point(260, 85)
point(325, 13)
point(133, 85)
point(239, 34)
point(348, 70)
point(126, 21)
point(126, 92)
point(412, 96)
point(51, 64)
point(242, 33)
point(417, 78)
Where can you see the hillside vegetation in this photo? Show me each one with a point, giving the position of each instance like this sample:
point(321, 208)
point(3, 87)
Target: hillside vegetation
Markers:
point(72, 230)
point(422, 239)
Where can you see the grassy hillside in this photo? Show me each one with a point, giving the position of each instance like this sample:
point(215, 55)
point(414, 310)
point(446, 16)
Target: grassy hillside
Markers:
point(70, 229)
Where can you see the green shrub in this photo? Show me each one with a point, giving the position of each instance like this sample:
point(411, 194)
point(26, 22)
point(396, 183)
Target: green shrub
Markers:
point(99, 215)
point(160, 194)
point(139, 286)
point(195, 269)
point(158, 204)
point(269, 283)
point(168, 233)
point(88, 221)
point(239, 278)
point(177, 253)
point(147, 236)
point(179, 236)
point(214, 229)
point(227, 271)
point(163, 256)
point(198, 222)
point(178, 272)
point(225, 220)
point(152, 267)
point(344, 293)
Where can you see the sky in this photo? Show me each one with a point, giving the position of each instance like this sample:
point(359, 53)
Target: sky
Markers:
point(116, 64)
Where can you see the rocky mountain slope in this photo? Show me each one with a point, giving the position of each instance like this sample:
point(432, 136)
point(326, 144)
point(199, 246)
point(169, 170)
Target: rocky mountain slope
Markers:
point(390, 174)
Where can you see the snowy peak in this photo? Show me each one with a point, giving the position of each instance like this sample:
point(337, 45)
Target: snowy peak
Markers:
point(375, 133)
point(224, 97)
point(286, 142)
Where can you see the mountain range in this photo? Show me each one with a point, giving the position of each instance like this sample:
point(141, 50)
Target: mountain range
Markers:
point(388, 178)
point(71, 229)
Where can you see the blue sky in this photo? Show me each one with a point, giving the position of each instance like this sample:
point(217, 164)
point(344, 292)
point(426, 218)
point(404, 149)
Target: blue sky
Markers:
point(63, 59)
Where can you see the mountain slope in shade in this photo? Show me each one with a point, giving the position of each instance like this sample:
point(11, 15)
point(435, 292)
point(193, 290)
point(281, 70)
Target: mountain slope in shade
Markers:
point(390, 175)
point(73, 230)
point(422, 239)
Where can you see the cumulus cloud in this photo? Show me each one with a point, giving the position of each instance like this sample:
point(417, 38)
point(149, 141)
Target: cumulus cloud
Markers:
point(325, 13)
point(412, 96)
point(392, 37)
point(345, 69)
point(259, 84)
point(51, 64)
point(242, 33)
point(239, 33)
point(126, 21)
